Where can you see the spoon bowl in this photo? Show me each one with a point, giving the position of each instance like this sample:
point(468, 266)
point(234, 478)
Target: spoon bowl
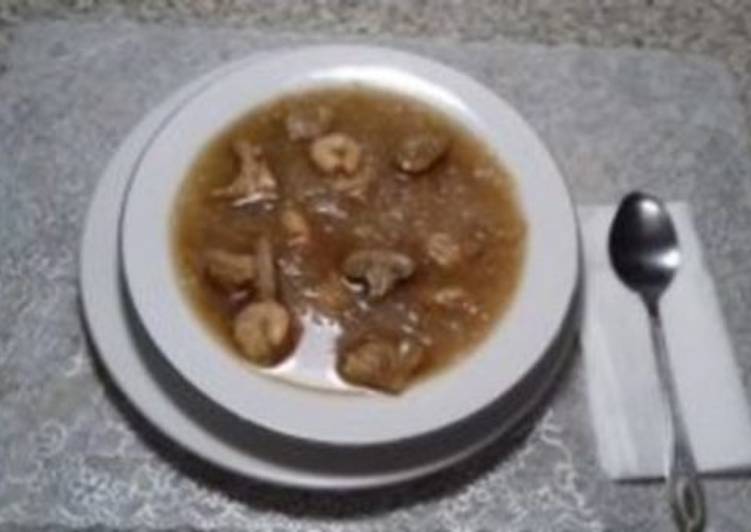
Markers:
point(644, 246)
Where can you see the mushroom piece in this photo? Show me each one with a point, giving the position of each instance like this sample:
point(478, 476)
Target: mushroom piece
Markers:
point(307, 123)
point(230, 270)
point(443, 249)
point(336, 153)
point(420, 152)
point(254, 182)
point(379, 269)
point(296, 227)
point(381, 364)
point(261, 330)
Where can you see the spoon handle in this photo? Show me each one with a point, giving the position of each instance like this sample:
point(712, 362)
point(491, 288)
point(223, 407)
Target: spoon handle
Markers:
point(684, 489)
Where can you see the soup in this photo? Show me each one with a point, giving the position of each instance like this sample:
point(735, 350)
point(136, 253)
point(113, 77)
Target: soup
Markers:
point(357, 207)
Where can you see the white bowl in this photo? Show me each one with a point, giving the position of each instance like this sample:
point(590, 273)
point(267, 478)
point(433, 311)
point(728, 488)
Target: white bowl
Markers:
point(511, 350)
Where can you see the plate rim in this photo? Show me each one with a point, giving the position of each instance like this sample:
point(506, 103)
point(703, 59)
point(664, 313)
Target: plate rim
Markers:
point(92, 273)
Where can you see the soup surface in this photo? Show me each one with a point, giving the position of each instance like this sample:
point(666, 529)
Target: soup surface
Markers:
point(362, 210)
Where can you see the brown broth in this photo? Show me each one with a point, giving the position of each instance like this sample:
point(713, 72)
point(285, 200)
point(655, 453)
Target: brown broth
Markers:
point(468, 195)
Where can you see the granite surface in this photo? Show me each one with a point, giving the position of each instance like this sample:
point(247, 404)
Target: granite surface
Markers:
point(74, 454)
point(720, 29)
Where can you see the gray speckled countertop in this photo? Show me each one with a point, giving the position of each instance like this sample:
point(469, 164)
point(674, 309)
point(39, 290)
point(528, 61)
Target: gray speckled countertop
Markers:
point(720, 29)
point(74, 454)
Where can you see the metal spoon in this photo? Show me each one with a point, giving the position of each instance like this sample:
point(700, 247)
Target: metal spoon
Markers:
point(645, 254)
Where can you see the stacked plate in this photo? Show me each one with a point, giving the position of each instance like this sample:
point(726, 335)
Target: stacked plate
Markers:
point(246, 422)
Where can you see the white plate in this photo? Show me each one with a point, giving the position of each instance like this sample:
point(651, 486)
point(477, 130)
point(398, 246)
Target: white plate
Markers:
point(171, 404)
point(512, 349)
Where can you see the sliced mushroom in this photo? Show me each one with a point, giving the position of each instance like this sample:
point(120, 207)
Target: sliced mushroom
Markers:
point(420, 152)
point(336, 153)
point(379, 269)
point(443, 249)
point(261, 331)
point(381, 364)
point(254, 182)
point(230, 270)
point(307, 123)
point(296, 227)
point(266, 277)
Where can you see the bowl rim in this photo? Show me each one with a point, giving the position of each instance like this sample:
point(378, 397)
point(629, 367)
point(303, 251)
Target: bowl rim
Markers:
point(516, 341)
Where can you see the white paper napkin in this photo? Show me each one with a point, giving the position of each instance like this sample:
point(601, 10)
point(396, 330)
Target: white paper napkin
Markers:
point(624, 395)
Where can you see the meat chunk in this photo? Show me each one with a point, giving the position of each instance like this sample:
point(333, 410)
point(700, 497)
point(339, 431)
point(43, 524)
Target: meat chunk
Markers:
point(443, 249)
point(420, 152)
point(381, 364)
point(336, 153)
point(266, 276)
point(254, 182)
point(379, 269)
point(261, 330)
point(296, 227)
point(308, 123)
point(230, 270)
